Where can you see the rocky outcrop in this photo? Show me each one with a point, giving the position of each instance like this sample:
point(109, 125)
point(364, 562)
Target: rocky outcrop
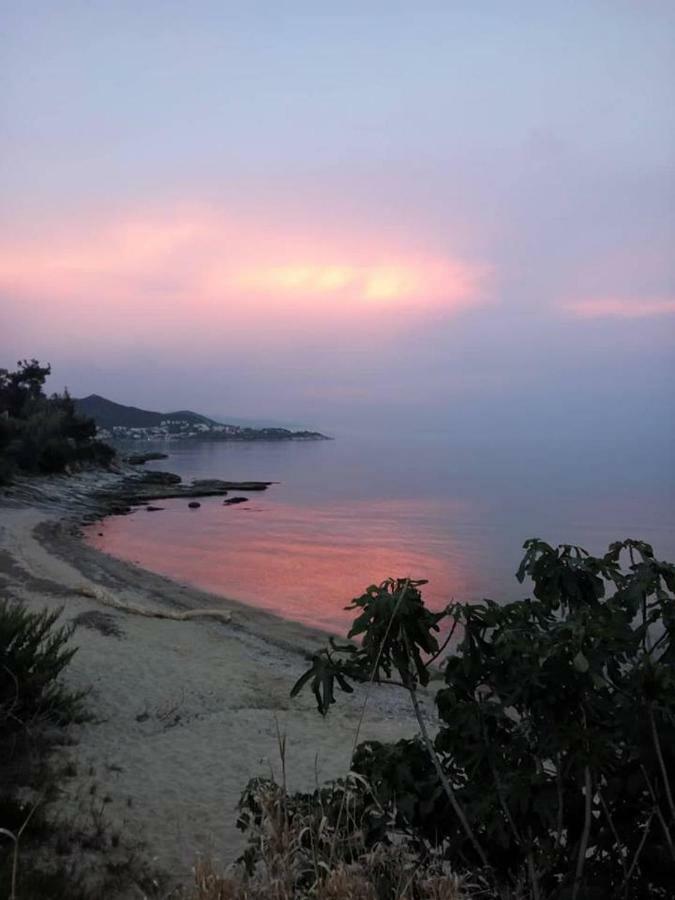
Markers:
point(139, 459)
point(164, 478)
point(92, 495)
point(142, 489)
point(217, 485)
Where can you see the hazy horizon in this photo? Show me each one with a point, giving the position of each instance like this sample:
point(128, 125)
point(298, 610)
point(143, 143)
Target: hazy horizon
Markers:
point(449, 217)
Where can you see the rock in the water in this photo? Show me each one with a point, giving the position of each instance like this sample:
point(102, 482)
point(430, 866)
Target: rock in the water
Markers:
point(138, 459)
point(161, 478)
point(154, 508)
point(194, 505)
point(231, 500)
point(219, 486)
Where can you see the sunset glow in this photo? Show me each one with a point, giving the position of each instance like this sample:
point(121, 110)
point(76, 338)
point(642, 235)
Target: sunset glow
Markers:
point(206, 269)
point(338, 216)
point(419, 281)
point(265, 558)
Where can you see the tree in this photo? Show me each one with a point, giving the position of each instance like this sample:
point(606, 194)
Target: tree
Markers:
point(17, 388)
point(40, 433)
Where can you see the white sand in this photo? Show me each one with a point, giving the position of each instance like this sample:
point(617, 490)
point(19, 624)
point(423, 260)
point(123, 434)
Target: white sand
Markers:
point(186, 710)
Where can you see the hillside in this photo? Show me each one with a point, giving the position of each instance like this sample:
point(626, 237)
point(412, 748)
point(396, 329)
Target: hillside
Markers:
point(115, 420)
point(108, 414)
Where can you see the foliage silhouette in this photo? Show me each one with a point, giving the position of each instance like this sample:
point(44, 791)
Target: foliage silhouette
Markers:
point(33, 656)
point(40, 434)
point(553, 761)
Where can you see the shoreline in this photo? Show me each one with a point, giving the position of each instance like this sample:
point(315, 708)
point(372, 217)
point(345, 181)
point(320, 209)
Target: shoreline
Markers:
point(70, 503)
point(186, 711)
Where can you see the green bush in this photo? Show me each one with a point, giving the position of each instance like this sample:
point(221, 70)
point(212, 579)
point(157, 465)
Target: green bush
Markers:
point(553, 764)
point(33, 655)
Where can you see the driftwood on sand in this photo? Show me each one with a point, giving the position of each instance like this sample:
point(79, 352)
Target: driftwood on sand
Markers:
point(115, 603)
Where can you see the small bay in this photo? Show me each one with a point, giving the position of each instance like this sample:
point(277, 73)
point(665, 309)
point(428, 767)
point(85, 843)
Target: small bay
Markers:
point(355, 510)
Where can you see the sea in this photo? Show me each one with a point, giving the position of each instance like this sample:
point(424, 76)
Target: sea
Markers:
point(353, 511)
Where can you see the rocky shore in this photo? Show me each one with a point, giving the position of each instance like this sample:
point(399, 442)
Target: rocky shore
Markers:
point(138, 490)
point(185, 710)
point(95, 494)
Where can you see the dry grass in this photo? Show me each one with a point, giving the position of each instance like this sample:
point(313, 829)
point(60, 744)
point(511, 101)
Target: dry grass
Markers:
point(345, 882)
point(299, 856)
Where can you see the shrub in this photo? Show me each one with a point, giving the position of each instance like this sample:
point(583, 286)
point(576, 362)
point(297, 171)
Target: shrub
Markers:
point(33, 655)
point(317, 846)
point(554, 761)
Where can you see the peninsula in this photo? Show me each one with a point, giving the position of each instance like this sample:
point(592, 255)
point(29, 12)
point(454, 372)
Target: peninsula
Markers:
point(117, 422)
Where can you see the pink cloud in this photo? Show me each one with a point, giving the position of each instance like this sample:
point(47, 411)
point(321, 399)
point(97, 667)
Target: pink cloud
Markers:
point(621, 307)
point(199, 272)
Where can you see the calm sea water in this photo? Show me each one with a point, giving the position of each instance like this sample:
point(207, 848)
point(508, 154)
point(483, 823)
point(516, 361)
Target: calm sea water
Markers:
point(353, 511)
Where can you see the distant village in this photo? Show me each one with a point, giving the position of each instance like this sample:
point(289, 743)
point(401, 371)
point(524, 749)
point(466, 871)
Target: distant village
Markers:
point(168, 429)
point(180, 429)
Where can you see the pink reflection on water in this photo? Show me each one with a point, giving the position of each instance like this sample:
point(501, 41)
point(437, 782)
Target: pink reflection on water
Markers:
point(301, 562)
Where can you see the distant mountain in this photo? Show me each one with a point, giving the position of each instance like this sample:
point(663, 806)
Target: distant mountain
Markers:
point(108, 414)
point(130, 422)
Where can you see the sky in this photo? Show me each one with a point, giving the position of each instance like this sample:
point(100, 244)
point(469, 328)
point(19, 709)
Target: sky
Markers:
point(384, 215)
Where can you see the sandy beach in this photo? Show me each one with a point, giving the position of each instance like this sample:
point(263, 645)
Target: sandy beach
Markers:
point(185, 712)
